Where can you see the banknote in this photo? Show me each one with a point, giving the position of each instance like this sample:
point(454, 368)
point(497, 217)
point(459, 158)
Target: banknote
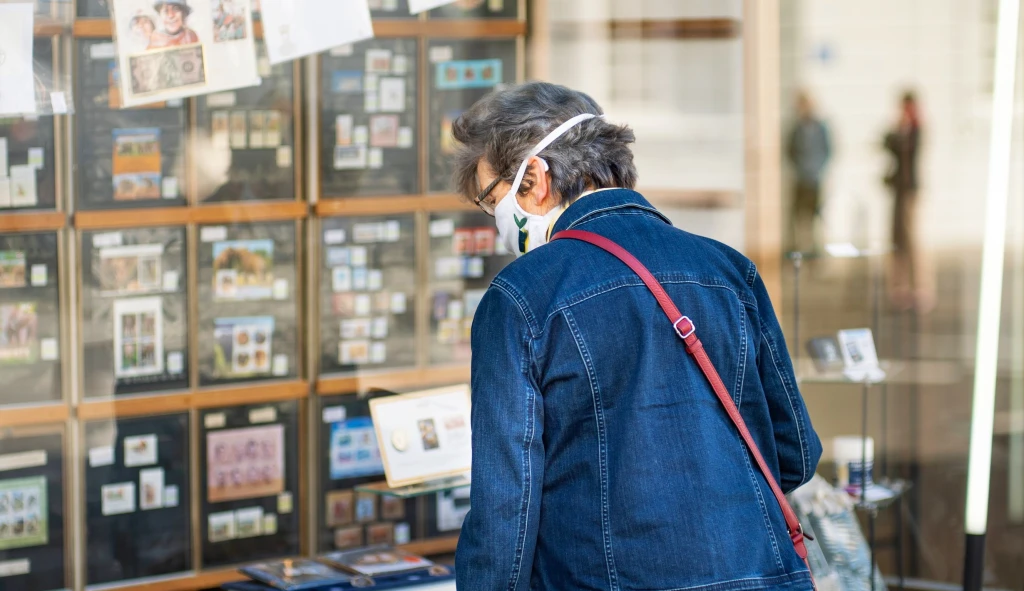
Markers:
point(167, 69)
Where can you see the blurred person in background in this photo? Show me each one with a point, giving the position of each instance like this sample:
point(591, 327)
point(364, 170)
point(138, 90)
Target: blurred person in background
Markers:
point(809, 149)
point(909, 282)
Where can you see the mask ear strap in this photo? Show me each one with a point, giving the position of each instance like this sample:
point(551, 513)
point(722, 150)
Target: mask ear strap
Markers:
point(547, 141)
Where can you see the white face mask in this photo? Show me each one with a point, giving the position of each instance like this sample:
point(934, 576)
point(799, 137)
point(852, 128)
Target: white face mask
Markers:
point(518, 230)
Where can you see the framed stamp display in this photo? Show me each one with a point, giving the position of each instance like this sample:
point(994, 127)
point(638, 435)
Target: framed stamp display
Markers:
point(465, 256)
point(367, 293)
point(369, 119)
point(137, 489)
point(246, 138)
point(32, 511)
point(27, 151)
point(134, 316)
point(248, 302)
point(478, 9)
point(30, 365)
point(249, 483)
point(128, 158)
point(461, 73)
point(424, 436)
point(350, 457)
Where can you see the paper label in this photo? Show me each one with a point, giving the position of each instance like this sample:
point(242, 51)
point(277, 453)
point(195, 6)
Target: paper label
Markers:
point(280, 289)
point(39, 275)
point(221, 99)
point(118, 499)
point(263, 415)
point(102, 51)
point(171, 496)
point(140, 451)
point(151, 489)
point(441, 53)
point(13, 568)
point(270, 524)
point(175, 363)
point(404, 137)
point(170, 282)
point(48, 349)
point(284, 503)
point(284, 156)
point(169, 187)
point(21, 460)
point(334, 237)
point(280, 367)
point(101, 456)
point(213, 233)
point(342, 50)
point(334, 414)
point(59, 102)
point(442, 228)
point(36, 157)
point(105, 239)
point(361, 135)
point(398, 303)
point(214, 420)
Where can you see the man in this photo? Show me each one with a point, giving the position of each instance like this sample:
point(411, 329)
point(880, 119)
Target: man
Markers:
point(173, 14)
point(602, 458)
point(809, 149)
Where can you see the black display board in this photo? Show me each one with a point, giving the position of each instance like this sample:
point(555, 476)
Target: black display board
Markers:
point(247, 141)
point(134, 311)
point(250, 506)
point(248, 302)
point(367, 293)
point(30, 366)
point(127, 158)
point(478, 9)
point(369, 119)
point(465, 256)
point(27, 153)
point(32, 548)
point(349, 457)
point(93, 8)
point(138, 516)
point(461, 73)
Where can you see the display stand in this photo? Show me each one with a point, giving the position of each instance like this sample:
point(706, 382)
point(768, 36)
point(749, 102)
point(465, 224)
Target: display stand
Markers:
point(891, 370)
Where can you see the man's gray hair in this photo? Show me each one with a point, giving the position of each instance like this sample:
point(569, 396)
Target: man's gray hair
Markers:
point(505, 125)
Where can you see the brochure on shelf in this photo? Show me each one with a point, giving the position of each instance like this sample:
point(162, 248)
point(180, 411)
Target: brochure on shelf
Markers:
point(859, 356)
point(190, 47)
point(295, 575)
point(297, 28)
point(424, 435)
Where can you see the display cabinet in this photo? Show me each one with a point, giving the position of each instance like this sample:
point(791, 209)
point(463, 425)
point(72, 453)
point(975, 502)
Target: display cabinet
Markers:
point(245, 139)
point(248, 298)
point(369, 116)
point(461, 72)
point(30, 319)
point(137, 498)
point(251, 496)
point(33, 511)
point(134, 311)
point(367, 293)
point(465, 256)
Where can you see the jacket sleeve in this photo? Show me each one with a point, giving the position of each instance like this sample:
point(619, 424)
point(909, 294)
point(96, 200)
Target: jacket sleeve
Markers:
point(499, 536)
point(798, 445)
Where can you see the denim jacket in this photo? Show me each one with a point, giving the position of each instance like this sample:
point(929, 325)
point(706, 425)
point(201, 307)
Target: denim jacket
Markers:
point(601, 458)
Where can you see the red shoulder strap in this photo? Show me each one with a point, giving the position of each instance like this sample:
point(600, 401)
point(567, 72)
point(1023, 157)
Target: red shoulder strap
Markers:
point(686, 331)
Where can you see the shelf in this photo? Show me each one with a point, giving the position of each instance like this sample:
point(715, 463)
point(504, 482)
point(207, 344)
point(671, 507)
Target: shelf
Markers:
point(433, 547)
point(923, 372)
point(132, 218)
point(45, 27)
point(898, 487)
point(680, 28)
point(32, 221)
point(393, 380)
point(204, 398)
point(391, 204)
point(415, 490)
point(194, 582)
point(242, 213)
point(18, 416)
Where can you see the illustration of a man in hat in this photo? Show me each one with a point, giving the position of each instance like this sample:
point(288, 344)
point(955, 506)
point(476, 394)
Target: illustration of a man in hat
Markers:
point(173, 14)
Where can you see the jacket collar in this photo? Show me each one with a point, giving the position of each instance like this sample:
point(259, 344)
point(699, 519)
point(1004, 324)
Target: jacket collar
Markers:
point(609, 201)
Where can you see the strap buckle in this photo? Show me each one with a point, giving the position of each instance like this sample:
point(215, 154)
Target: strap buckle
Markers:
point(693, 327)
point(800, 533)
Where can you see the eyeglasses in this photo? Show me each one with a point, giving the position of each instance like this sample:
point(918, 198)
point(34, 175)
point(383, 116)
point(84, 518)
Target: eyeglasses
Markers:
point(479, 200)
